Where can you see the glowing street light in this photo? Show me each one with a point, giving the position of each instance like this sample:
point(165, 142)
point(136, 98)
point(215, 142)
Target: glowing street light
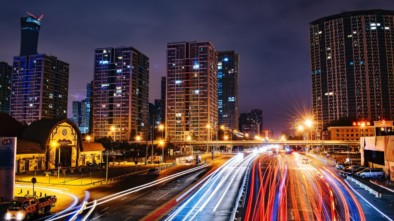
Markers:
point(88, 138)
point(308, 123)
point(138, 138)
point(208, 133)
point(161, 143)
point(225, 137)
point(55, 144)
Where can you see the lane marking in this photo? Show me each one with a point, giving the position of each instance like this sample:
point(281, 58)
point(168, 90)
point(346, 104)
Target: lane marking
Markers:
point(162, 196)
point(99, 216)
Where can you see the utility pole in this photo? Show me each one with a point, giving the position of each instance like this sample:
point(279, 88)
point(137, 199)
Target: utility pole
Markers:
point(152, 135)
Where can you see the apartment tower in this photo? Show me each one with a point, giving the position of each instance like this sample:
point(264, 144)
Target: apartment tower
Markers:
point(352, 63)
point(120, 93)
point(191, 92)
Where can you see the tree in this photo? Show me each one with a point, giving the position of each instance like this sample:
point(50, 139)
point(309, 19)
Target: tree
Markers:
point(106, 142)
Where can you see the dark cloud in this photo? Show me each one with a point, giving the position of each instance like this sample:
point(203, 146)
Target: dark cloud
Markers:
point(271, 37)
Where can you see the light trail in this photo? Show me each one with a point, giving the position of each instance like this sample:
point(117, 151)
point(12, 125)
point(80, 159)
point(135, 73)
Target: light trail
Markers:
point(213, 191)
point(90, 211)
point(123, 193)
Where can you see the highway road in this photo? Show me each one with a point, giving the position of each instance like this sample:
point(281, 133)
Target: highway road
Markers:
point(282, 187)
point(214, 198)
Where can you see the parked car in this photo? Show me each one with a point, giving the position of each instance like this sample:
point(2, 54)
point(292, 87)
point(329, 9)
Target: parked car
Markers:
point(371, 173)
point(342, 165)
point(153, 172)
point(349, 171)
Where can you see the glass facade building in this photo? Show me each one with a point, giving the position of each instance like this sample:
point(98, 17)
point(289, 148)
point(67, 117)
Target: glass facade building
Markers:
point(81, 111)
point(30, 30)
point(39, 88)
point(228, 88)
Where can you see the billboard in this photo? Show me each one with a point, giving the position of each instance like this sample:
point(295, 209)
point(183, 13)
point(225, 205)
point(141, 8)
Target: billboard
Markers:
point(7, 167)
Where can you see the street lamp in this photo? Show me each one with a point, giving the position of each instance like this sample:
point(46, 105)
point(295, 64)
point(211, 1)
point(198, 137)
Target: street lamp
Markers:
point(161, 128)
point(55, 144)
point(208, 133)
point(161, 143)
point(88, 138)
point(138, 138)
point(107, 164)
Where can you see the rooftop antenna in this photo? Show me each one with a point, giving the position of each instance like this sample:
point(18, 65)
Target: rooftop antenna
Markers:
point(38, 18)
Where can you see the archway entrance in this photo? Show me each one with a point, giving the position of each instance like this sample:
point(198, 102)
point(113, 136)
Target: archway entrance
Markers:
point(65, 156)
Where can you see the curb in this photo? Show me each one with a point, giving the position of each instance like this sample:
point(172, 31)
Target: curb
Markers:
point(377, 184)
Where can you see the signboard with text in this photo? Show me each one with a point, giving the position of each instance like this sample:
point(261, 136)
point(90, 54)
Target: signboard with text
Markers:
point(7, 167)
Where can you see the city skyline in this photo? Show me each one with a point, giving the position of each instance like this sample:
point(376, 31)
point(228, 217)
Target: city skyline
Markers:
point(274, 65)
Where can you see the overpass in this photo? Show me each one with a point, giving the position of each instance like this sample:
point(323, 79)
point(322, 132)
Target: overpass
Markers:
point(259, 142)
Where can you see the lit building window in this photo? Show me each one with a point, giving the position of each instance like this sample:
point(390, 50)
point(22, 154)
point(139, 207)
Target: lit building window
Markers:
point(178, 82)
point(231, 99)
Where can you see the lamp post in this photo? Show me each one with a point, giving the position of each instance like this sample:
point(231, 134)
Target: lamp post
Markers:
point(161, 128)
point(208, 127)
point(55, 144)
point(161, 143)
point(107, 164)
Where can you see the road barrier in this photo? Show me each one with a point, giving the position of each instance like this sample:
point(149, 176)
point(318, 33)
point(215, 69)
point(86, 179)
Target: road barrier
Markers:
point(377, 184)
point(240, 201)
point(365, 187)
point(121, 177)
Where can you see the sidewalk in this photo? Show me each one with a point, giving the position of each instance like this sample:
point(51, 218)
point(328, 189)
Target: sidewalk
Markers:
point(116, 171)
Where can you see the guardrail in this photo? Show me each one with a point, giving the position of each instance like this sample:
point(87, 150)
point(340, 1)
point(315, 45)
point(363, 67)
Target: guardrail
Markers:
point(365, 187)
point(377, 184)
point(121, 177)
point(240, 201)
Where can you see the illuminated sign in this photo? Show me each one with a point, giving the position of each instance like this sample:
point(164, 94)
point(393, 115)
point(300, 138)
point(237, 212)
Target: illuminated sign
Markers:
point(7, 167)
point(32, 20)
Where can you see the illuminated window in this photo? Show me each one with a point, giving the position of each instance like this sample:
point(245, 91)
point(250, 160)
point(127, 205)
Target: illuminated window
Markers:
point(231, 99)
point(178, 82)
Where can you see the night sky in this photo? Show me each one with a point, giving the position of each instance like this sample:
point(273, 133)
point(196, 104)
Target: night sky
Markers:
point(271, 37)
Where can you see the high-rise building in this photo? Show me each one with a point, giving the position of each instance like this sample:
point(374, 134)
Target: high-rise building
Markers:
point(352, 66)
point(39, 88)
point(82, 111)
point(251, 123)
point(29, 35)
point(163, 100)
point(120, 93)
point(191, 92)
point(228, 88)
point(5, 87)
point(39, 83)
